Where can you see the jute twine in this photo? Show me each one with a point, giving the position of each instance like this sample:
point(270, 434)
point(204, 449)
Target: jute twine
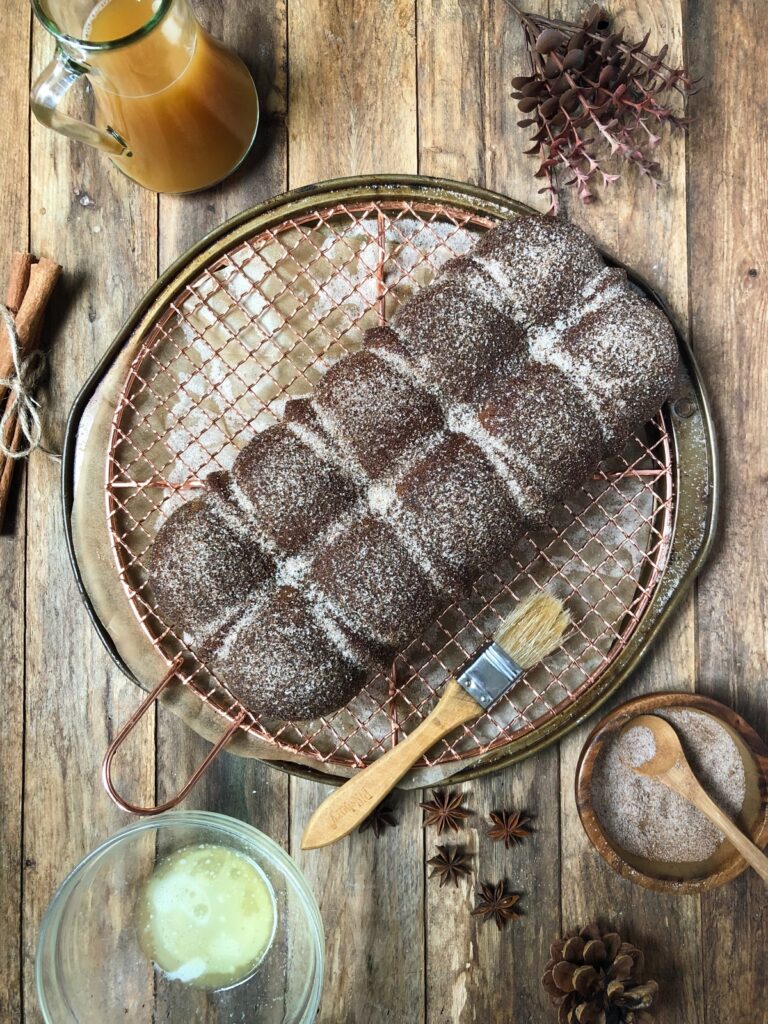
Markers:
point(21, 403)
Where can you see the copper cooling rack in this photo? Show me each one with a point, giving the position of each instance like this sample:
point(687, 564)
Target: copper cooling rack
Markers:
point(258, 320)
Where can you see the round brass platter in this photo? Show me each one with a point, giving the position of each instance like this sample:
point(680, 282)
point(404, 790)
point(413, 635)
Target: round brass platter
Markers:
point(680, 524)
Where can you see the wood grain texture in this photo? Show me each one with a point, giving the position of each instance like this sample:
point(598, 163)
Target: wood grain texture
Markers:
point(468, 52)
point(12, 679)
point(14, 134)
point(14, 209)
point(480, 974)
point(370, 892)
point(102, 229)
point(352, 110)
point(352, 88)
point(729, 304)
point(451, 82)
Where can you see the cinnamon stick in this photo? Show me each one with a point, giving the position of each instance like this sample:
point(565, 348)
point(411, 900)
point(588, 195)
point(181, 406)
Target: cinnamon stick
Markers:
point(29, 320)
point(18, 279)
point(7, 467)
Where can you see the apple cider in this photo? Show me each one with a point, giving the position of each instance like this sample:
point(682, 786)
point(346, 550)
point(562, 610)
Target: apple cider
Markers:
point(185, 106)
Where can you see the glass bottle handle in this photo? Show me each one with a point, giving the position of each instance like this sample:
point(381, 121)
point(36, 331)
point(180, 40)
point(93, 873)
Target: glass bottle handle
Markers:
point(50, 89)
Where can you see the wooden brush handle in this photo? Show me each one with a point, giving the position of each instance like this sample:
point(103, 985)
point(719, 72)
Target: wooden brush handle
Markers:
point(685, 782)
point(351, 803)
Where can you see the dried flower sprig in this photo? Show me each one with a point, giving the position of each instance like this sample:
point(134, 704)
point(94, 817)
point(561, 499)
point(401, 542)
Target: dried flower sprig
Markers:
point(592, 95)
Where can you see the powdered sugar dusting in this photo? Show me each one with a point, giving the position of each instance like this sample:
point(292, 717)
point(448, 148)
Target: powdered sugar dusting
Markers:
point(324, 615)
point(285, 348)
point(545, 348)
point(463, 420)
point(313, 440)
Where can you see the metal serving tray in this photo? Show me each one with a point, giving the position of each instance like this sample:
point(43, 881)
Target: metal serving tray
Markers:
point(254, 314)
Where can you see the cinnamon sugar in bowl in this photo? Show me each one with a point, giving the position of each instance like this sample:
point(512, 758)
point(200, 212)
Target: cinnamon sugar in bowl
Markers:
point(651, 835)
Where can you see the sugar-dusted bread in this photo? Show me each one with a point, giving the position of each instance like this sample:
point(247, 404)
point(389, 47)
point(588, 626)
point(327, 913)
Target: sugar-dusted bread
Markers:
point(206, 563)
point(340, 532)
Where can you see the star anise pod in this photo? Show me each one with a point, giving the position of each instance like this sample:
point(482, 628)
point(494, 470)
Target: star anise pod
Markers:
point(444, 811)
point(380, 818)
point(451, 864)
point(592, 95)
point(509, 826)
point(495, 902)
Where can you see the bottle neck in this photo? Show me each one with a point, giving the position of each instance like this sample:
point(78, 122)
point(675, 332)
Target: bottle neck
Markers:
point(132, 48)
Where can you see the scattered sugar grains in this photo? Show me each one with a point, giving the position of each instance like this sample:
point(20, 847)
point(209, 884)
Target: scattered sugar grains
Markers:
point(645, 818)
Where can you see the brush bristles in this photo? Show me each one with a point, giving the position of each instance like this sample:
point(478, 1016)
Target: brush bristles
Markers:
point(533, 629)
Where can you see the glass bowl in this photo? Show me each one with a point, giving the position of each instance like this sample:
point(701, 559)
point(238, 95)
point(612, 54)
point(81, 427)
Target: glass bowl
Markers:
point(90, 968)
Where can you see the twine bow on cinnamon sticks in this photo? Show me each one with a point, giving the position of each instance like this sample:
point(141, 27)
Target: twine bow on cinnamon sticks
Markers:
point(30, 286)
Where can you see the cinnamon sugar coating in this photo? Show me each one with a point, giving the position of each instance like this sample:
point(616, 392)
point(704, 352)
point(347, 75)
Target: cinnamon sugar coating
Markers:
point(463, 341)
point(460, 511)
point(417, 463)
point(278, 658)
point(201, 566)
point(540, 264)
point(375, 413)
point(626, 350)
point(369, 578)
point(552, 440)
point(290, 491)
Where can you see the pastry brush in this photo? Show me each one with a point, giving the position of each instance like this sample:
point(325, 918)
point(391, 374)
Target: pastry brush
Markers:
point(528, 634)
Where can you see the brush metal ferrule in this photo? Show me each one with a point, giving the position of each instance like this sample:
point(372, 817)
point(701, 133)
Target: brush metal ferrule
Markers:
point(489, 675)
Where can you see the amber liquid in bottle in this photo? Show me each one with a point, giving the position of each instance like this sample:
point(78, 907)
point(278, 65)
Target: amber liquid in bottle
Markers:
point(186, 105)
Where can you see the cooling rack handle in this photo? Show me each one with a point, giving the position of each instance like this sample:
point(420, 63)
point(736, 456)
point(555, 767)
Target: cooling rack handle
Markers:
point(117, 742)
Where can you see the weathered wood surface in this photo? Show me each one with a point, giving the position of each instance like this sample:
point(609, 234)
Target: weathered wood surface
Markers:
point(349, 89)
point(727, 225)
point(74, 695)
point(14, 210)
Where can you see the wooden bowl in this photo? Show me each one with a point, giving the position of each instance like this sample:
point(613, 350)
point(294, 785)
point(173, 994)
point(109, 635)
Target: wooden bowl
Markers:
point(725, 863)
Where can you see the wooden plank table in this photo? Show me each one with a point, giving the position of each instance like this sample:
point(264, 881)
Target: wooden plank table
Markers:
point(352, 87)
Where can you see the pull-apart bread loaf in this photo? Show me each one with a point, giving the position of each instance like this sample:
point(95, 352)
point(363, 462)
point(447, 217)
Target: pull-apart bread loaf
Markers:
point(419, 460)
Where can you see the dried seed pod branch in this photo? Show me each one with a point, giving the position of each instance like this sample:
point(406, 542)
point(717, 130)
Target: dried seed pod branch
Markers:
point(592, 95)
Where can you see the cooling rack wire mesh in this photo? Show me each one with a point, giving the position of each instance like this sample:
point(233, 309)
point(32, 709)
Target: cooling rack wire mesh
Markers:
point(261, 324)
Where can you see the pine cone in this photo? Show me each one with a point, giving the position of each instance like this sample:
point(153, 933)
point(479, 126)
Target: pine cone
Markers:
point(595, 978)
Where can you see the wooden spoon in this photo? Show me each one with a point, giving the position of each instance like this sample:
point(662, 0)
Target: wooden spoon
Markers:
point(669, 765)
